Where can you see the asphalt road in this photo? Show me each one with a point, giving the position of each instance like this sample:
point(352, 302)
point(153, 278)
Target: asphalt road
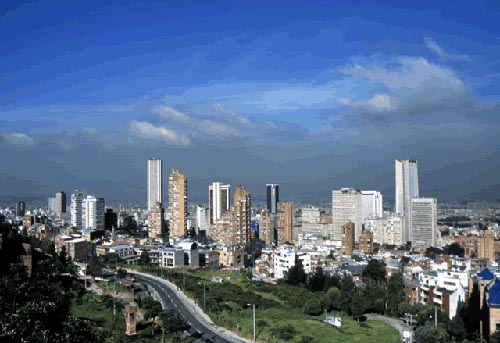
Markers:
point(170, 299)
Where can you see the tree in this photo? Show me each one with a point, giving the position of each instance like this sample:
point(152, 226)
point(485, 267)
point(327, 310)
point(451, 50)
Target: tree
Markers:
point(456, 328)
point(313, 306)
point(285, 332)
point(455, 249)
point(129, 224)
point(395, 294)
point(347, 291)
point(333, 298)
point(495, 338)
point(317, 280)
point(375, 271)
point(430, 334)
point(296, 274)
point(144, 259)
point(358, 304)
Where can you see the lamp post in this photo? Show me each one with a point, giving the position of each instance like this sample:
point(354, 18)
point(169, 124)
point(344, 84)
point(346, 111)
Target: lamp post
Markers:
point(253, 307)
point(204, 295)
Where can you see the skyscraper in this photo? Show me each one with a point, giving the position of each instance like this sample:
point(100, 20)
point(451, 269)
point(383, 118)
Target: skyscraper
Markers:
point(60, 203)
point(202, 219)
point(243, 215)
point(177, 203)
point(76, 209)
point(406, 189)
point(93, 213)
point(284, 225)
point(155, 193)
point(219, 200)
point(273, 197)
point(423, 222)
point(20, 208)
point(372, 204)
point(346, 207)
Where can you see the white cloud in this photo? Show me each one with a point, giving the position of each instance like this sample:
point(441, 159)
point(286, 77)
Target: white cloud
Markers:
point(433, 46)
point(17, 139)
point(410, 85)
point(171, 114)
point(147, 130)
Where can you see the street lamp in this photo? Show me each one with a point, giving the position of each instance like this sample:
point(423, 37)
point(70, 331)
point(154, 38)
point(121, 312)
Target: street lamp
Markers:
point(204, 295)
point(253, 306)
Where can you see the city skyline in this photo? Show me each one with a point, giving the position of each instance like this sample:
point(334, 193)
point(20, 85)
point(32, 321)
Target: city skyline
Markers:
point(311, 97)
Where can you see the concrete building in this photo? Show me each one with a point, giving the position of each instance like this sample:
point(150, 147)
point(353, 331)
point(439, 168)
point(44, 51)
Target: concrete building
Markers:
point(386, 230)
point(446, 289)
point(60, 204)
point(219, 200)
point(348, 234)
point(167, 257)
point(272, 197)
point(202, 219)
point(267, 227)
point(372, 204)
point(191, 252)
point(93, 213)
point(177, 203)
point(156, 224)
point(283, 260)
point(242, 209)
point(51, 204)
point(284, 223)
point(424, 222)
point(78, 248)
point(311, 215)
point(346, 207)
point(155, 182)
point(76, 209)
point(406, 172)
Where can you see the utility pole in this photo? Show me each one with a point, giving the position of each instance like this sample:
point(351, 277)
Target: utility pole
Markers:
point(435, 316)
point(204, 297)
point(254, 323)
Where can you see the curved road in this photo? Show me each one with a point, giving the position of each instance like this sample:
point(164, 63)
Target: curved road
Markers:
point(169, 298)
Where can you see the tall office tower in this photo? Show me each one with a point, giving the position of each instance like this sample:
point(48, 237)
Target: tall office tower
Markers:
point(155, 185)
point(76, 209)
point(110, 219)
point(93, 213)
point(406, 189)
point(266, 227)
point(348, 231)
point(202, 219)
point(346, 207)
point(60, 203)
point(20, 208)
point(372, 205)
point(273, 196)
point(156, 224)
point(242, 209)
point(423, 222)
point(177, 203)
point(51, 205)
point(219, 200)
point(284, 224)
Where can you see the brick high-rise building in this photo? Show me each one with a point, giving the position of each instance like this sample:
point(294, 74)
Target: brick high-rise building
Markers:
point(366, 242)
point(487, 246)
point(177, 203)
point(156, 224)
point(348, 241)
point(284, 224)
point(267, 227)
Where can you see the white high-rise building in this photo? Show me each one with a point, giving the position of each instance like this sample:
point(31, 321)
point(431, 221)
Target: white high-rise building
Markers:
point(406, 189)
point(346, 207)
point(219, 201)
point(311, 215)
point(155, 179)
point(372, 204)
point(423, 222)
point(93, 213)
point(272, 197)
point(76, 209)
point(202, 219)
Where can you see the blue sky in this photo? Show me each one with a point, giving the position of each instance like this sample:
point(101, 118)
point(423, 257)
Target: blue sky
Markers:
point(313, 95)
